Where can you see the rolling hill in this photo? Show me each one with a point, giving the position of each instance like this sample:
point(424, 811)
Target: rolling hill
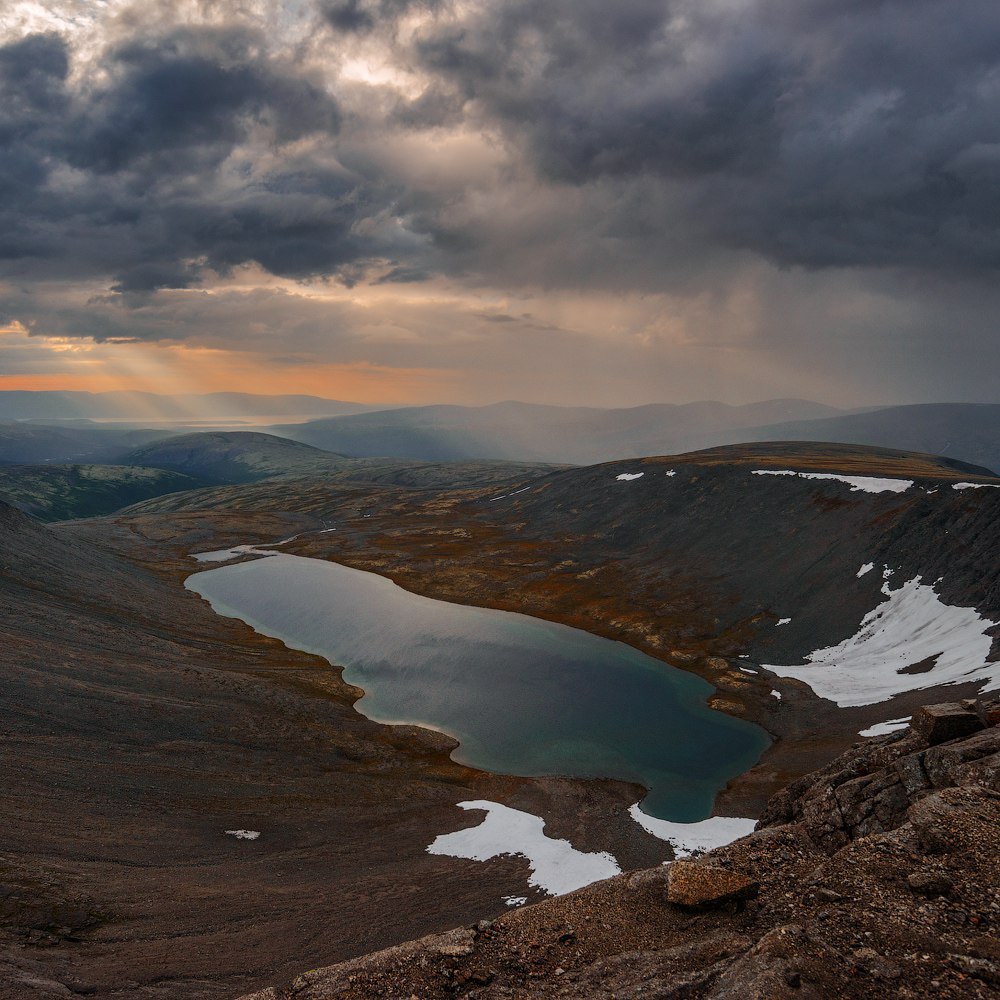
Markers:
point(234, 456)
point(63, 492)
point(965, 431)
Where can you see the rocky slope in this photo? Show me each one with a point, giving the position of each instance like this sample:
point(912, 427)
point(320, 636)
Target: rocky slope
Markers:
point(873, 878)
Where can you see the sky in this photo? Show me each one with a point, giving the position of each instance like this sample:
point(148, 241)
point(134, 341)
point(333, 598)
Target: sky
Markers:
point(562, 201)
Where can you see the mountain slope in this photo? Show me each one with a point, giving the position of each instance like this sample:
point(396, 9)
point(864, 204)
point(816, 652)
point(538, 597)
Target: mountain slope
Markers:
point(139, 727)
point(528, 432)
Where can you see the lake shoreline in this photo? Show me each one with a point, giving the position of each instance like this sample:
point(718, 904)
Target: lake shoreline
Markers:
point(257, 584)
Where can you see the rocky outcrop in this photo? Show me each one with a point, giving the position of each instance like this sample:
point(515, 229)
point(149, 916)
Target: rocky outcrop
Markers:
point(874, 878)
point(870, 789)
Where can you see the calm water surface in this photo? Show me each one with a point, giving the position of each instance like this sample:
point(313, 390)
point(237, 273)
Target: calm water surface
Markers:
point(523, 696)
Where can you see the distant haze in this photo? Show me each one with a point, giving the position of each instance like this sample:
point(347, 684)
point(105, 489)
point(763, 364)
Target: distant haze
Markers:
point(150, 408)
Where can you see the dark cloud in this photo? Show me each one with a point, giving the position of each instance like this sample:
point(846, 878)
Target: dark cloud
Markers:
point(641, 145)
point(815, 133)
point(403, 275)
point(363, 16)
point(185, 100)
point(150, 173)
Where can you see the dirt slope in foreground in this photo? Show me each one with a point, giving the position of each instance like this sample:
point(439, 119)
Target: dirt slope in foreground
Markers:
point(874, 878)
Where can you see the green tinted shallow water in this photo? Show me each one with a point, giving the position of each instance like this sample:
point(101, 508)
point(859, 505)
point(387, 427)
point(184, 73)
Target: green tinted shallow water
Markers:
point(523, 696)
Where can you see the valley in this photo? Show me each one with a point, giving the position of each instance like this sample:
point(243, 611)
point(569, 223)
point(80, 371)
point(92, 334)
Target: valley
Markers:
point(157, 726)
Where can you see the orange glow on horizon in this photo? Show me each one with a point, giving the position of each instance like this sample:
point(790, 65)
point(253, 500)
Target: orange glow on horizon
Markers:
point(175, 370)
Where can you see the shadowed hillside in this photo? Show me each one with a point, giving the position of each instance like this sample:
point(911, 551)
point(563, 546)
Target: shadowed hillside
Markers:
point(62, 492)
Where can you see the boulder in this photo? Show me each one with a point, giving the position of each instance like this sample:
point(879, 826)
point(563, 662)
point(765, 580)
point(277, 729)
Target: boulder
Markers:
point(950, 720)
point(699, 886)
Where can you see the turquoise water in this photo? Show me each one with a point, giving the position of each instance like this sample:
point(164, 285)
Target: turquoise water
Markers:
point(523, 696)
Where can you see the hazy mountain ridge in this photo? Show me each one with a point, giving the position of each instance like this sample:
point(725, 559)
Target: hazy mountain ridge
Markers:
point(139, 406)
point(30, 444)
point(236, 457)
point(536, 432)
point(965, 431)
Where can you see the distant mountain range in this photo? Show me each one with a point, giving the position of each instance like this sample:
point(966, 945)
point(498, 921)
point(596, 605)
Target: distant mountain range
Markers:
point(149, 407)
point(533, 433)
point(539, 433)
point(969, 432)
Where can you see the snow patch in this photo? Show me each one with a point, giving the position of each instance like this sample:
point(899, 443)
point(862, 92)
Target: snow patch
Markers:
point(690, 838)
point(504, 496)
point(864, 484)
point(867, 568)
point(912, 626)
point(975, 486)
point(556, 866)
point(670, 473)
point(747, 670)
point(515, 900)
point(629, 476)
point(884, 728)
point(243, 834)
point(782, 621)
point(776, 694)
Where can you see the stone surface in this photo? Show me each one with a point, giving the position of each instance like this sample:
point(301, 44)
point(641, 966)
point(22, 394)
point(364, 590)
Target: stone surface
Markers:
point(948, 721)
point(696, 885)
point(929, 882)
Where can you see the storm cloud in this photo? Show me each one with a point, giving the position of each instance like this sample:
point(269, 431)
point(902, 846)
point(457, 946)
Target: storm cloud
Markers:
point(683, 148)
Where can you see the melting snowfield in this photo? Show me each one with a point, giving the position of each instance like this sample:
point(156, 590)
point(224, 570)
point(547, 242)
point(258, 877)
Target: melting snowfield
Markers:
point(691, 838)
point(556, 866)
point(884, 728)
point(911, 641)
point(864, 484)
